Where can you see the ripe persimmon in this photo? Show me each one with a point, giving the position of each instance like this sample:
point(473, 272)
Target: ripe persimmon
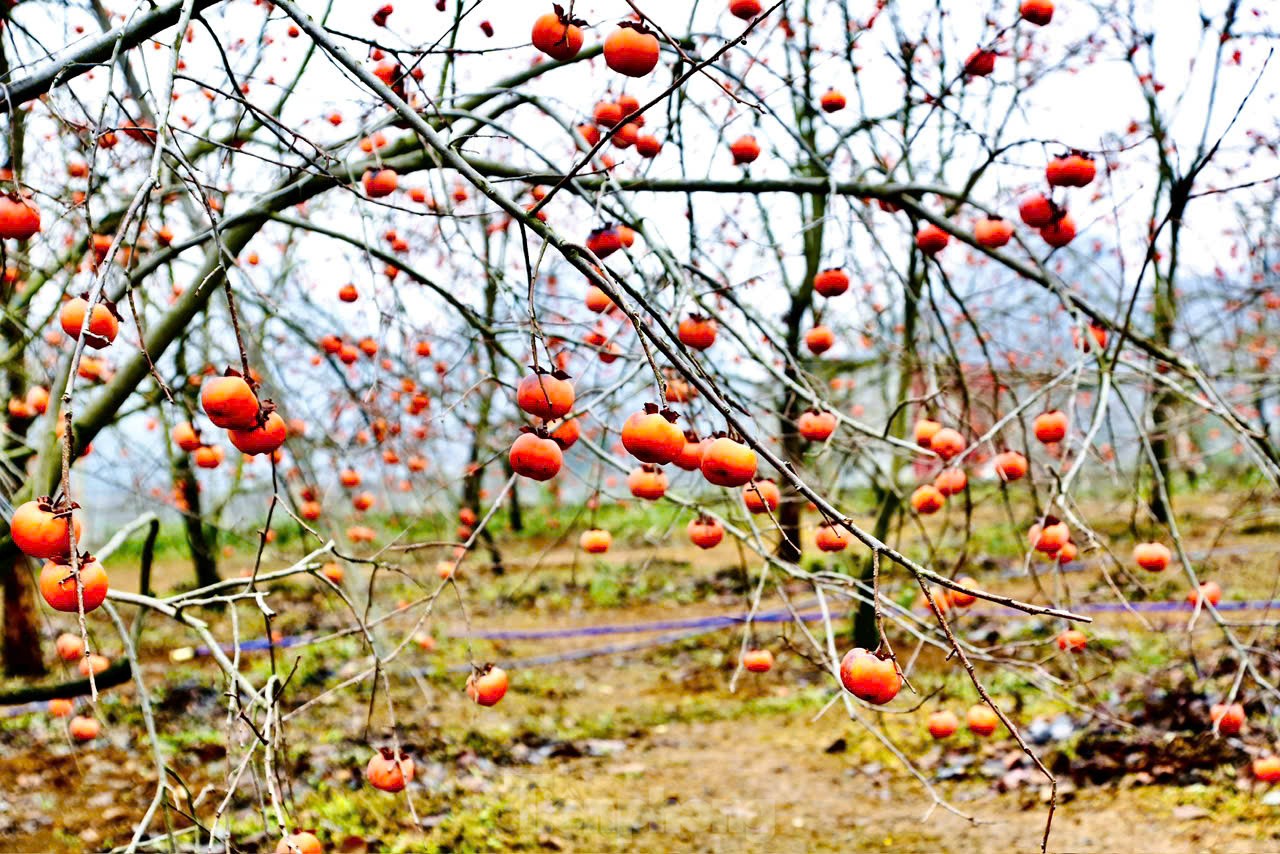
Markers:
point(832, 101)
point(387, 773)
point(831, 282)
point(625, 136)
point(697, 332)
point(981, 720)
point(1051, 426)
point(958, 597)
point(263, 438)
point(757, 660)
point(535, 457)
point(629, 105)
point(58, 585)
point(302, 842)
point(84, 728)
point(647, 482)
point(103, 324)
point(606, 114)
point(745, 150)
point(1229, 719)
point(1010, 466)
point(1096, 335)
point(229, 402)
point(1153, 557)
point(1075, 169)
point(980, 63)
point(37, 398)
point(726, 462)
point(761, 496)
point(830, 538)
point(632, 49)
point(1209, 592)
point(1072, 640)
point(208, 456)
point(651, 436)
point(70, 647)
point(951, 481)
point(595, 541)
point(947, 443)
point(993, 232)
point(816, 426)
point(1050, 536)
point(597, 300)
point(1059, 232)
point(604, 241)
point(547, 395)
point(1036, 210)
point(927, 499)
point(1266, 769)
point(184, 435)
point(745, 9)
point(931, 239)
point(487, 685)
point(41, 529)
point(557, 35)
point(566, 435)
point(361, 534)
point(924, 431)
point(705, 532)
point(381, 183)
point(943, 724)
point(19, 411)
point(819, 340)
point(19, 218)
point(869, 677)
point(648, 145)
point(679, 391)
point(1038, 12)
point(690, 456)
point(93, 663)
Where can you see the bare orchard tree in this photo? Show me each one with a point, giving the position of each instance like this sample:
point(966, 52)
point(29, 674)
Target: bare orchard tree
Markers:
point(834, 280)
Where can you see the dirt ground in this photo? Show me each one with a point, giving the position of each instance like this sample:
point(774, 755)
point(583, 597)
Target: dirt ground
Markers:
point(647, 750)
point(734, 787)
point(770, 782)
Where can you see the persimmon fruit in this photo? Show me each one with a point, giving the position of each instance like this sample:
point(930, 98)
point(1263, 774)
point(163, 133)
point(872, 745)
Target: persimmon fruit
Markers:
point(487, 685)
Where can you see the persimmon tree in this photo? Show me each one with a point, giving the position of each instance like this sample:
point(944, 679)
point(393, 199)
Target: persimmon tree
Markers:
point(854, 273)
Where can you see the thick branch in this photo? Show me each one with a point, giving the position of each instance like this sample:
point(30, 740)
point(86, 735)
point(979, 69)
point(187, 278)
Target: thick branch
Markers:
point(94, 52)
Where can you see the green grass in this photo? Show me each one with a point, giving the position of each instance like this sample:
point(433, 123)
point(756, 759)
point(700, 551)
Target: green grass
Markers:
point(171, 542)
point(190, 737)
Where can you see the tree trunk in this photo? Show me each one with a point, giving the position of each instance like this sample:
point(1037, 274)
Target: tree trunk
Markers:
point(866, 633)
point(1164, 414)
point(22, 655)
point(789, 513)
point(516, 517)
point(1161, 441)
point(474, 477)
point(21, 651)
point(202, 539)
